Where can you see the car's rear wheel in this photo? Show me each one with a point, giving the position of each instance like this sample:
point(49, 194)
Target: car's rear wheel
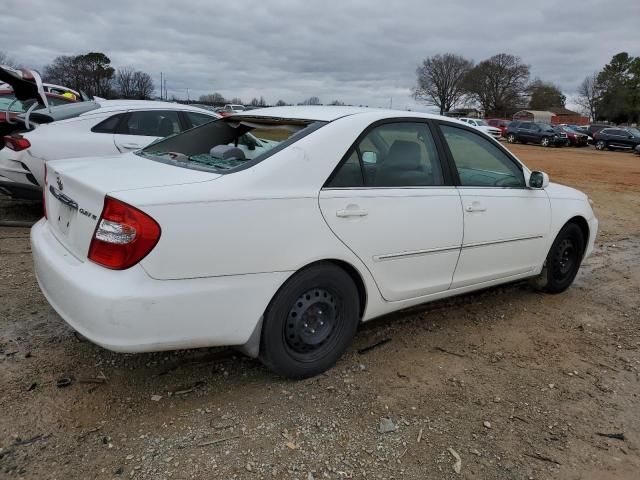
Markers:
point(310, 322)
point(545, 142)
point(511, 138)
point(601, 145)
point(563, 260)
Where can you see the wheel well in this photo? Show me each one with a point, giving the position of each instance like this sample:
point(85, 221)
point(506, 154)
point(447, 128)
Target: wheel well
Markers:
point(355, 276)
point(584, 227)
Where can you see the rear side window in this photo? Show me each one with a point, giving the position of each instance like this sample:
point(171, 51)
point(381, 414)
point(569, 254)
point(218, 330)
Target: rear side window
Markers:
point(197, 119)
point(349, 174)
point(151, 123)
point(109, 125)
point(393, 155)
point(481, 163)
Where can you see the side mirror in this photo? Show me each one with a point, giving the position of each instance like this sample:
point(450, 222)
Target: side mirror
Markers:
point(369, 157)
point(538, 180)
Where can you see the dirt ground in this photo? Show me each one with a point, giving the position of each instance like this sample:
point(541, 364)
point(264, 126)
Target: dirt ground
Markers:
point(517, 384)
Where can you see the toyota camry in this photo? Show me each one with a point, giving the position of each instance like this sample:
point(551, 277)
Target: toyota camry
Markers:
point(206, 238)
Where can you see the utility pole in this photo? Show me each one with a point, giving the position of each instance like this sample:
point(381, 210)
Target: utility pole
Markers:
point(161, 87)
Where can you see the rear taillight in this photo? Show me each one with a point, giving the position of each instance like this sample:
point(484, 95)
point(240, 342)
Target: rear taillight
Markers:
point(44, 192)
point(124, 236)
point(16, 142)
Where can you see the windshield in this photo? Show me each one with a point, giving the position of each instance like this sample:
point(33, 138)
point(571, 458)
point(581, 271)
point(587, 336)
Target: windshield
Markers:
point(634, 131)
point(229, 142)
point(481, 123)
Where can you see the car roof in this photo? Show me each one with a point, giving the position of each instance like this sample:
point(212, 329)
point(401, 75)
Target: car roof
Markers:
point(330, 113)
point(119, 105)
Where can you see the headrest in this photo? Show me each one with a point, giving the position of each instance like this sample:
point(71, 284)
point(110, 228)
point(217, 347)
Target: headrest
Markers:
point(404, 155)
point(227, 152)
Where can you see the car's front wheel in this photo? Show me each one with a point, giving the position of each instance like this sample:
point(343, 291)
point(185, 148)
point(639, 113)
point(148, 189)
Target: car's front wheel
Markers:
point(545, 142)
point(511, 138)
point(563, 260)
point(310, 322)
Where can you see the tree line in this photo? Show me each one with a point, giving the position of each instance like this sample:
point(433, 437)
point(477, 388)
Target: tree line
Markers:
point(217, 99)
point(93, 74)
point(613, 93)
point(499, 85)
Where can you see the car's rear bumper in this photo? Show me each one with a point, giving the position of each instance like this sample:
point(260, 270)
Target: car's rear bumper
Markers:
point(128, 311)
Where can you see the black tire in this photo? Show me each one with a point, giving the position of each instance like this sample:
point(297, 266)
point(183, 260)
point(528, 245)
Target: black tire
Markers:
point(563, 260)
point(511, 138)
point(310, 322)
point(545, 142)
point(601, 145)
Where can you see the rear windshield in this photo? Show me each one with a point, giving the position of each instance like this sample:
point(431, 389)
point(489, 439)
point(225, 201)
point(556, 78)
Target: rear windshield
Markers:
point(229, 144)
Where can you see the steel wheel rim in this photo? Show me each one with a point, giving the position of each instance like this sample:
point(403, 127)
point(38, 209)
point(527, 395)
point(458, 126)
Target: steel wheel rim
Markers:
point(566, 259)
point(312, 323)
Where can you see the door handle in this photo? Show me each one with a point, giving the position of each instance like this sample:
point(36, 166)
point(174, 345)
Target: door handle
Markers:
point(475, 207)
point(351, 213)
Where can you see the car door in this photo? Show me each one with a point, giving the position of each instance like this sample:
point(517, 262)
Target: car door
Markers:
point(141, 127)
point(505, 223)
point(524, 132)
point(391, 202)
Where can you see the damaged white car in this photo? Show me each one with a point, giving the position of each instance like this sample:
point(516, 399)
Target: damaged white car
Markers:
point(202, 239)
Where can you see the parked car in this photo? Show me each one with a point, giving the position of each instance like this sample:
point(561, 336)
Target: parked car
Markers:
point(532, 132)
point(22, 92)
point(594, 128)
point(483, 126)
point(94, 128)
point(574, 138)
point(637, 150)
point(499, 123)
point(351, 214)
point(230, 109)
point(626, 138)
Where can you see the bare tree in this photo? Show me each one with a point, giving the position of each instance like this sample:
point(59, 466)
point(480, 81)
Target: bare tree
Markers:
point(124, 82)
point(236, 101)
point(589, 93)
point(142, 85)
point(337, 103)
point(311, 101)
point(5, 59)
point(214, 98)
point(440, 80)
point(281, 103)
point(499, 84)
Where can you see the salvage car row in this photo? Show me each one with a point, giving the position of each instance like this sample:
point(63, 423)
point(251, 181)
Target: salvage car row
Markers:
point(279, 230)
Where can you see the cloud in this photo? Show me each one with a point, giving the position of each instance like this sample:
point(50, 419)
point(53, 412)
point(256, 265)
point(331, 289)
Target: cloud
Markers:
point(359, 52)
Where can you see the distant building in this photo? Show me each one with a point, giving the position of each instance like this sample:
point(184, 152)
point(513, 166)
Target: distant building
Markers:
point(554, 116)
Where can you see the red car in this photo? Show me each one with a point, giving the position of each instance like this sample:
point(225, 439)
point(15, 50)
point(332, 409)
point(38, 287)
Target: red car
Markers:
point(499, 123)
point(576, 139)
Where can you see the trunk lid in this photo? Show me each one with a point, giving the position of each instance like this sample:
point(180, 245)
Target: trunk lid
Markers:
point(26, 84)
point(75, 191)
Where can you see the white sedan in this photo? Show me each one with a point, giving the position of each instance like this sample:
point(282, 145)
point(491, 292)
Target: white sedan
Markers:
point(351, 214)
point(95, 128)
point(483, 126)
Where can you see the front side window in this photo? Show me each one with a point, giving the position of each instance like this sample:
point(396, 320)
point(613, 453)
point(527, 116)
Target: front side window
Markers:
point(393, 155)
point(152, 123)
point(481, 163)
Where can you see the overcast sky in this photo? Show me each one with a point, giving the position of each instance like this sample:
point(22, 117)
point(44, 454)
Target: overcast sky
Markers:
point(358, 51)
